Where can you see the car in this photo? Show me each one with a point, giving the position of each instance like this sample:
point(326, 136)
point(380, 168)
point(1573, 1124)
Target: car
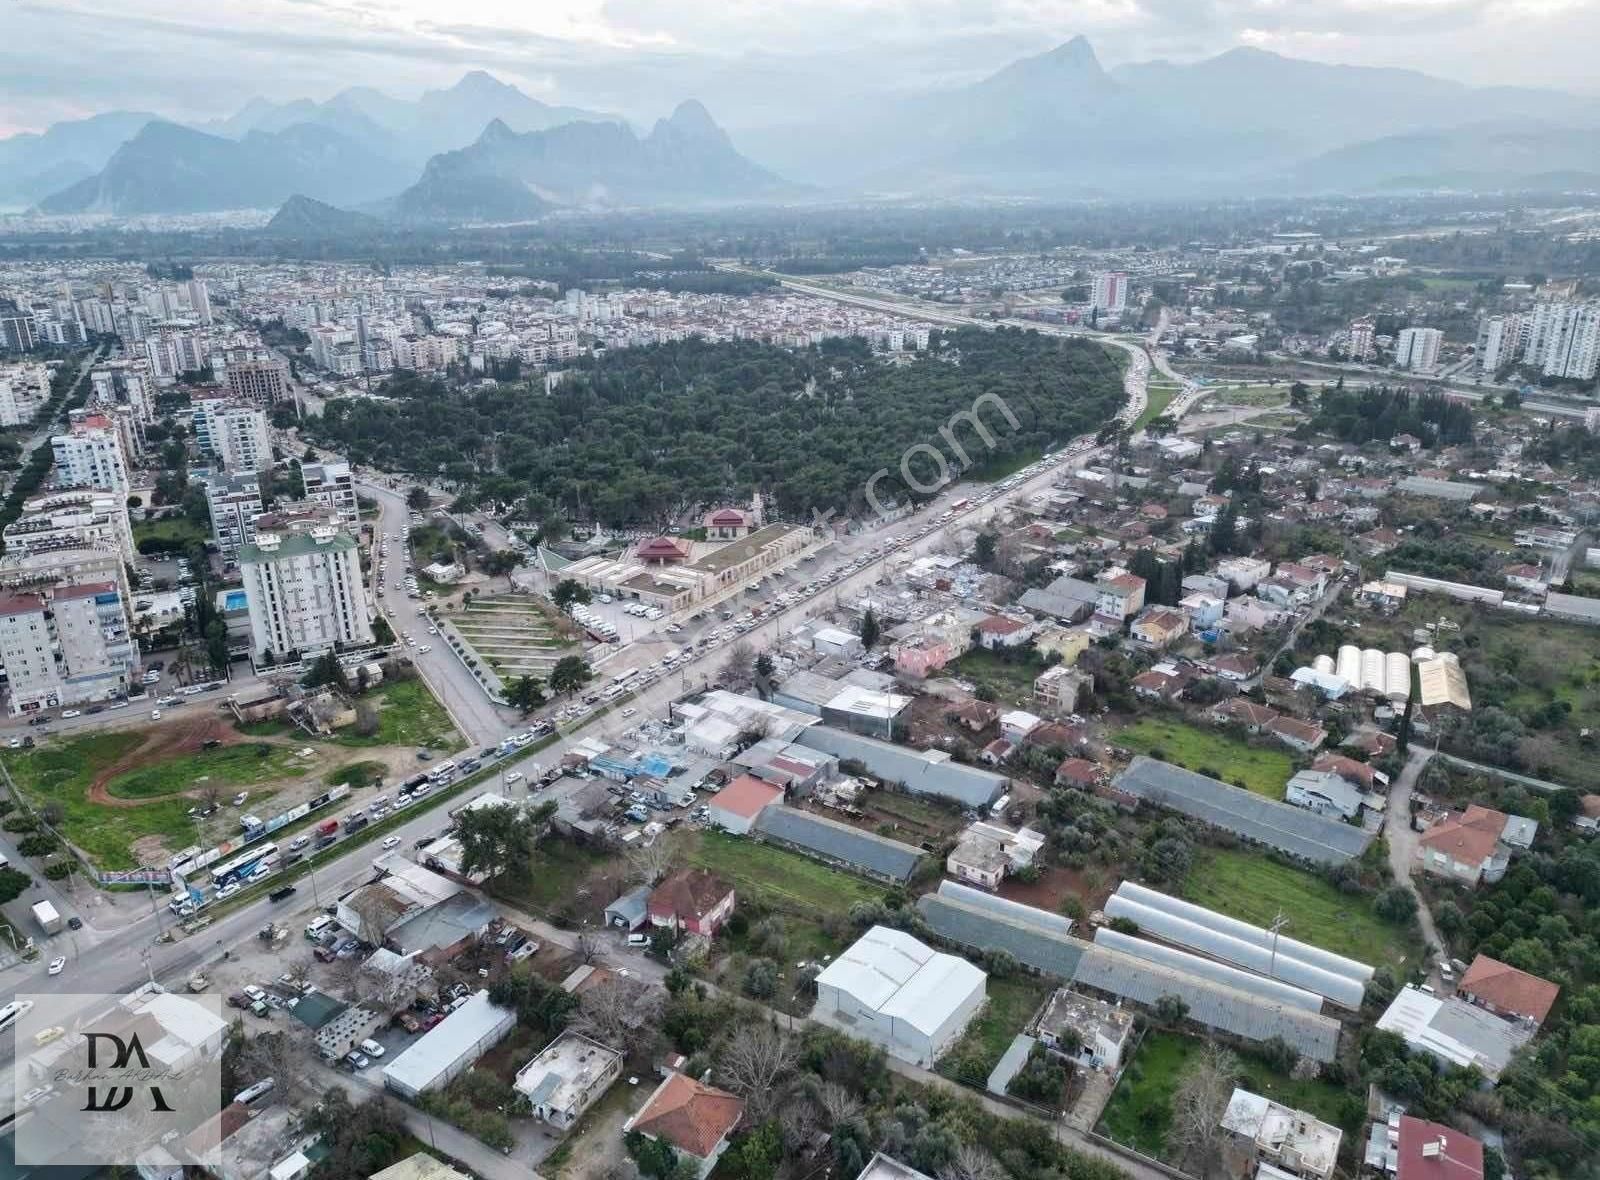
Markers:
point(357, 1060)
point(45, 1035)
point(255, 993)
point(58, 964)
point(65, 713)
point(37, 1094)
point(155, 714)
point(371, 1048)
point(228, 890)
point(638, 940)
point(424, 649)
point(298, 843)
point(238, 800)
point(391, 842)
point(629, 711)
point(74, 923)
point(14, 744)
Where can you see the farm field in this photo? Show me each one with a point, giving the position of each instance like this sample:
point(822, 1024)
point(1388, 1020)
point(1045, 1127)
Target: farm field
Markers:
point(1011, 680)
point(1260, 769)
point(1248, 886)
point(784, 881)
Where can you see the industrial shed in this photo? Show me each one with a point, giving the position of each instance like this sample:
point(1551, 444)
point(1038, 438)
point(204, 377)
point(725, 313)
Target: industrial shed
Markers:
point(890, 989)
point(1212, 1004)
point(448, 1048)
point(1040, 940)
point(1205, 935)
point(837, 843)
point(1277, 825)
point(921, 772)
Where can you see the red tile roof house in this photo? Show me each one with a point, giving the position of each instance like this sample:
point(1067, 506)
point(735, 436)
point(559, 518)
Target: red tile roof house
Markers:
point(1500, 988)
point(1429, 1151)
point(696, 1120)
point(1078, 772)
point(736, 806)
point(660, 550)
point(1247, 713)
point(1466, 847)
point(1296, 734)
point(1000, 631)
point(693, 900)
point(1363, 775)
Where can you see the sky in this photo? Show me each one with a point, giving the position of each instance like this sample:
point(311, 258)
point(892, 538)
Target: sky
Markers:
point(751, 61)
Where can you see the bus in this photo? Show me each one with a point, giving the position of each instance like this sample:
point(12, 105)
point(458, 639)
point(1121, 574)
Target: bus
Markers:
point(961, 505)
point(622, 678)
point(242, 866)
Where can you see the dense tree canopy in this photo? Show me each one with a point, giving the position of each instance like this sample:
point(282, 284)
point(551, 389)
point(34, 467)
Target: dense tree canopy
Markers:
point(636, 435)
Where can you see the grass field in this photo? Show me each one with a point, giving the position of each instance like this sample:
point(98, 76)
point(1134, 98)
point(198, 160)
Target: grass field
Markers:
point(179, 530)
point(407, 716)
point(1012, 1003)
point(1247, 886)
point(61, 771)
point(783, 880)
point(1140, 1111)
point(1011, 680)
point(559, 867)
point(228, 767)
point(1157, 399)
point(357, 774)
point(1263, 770)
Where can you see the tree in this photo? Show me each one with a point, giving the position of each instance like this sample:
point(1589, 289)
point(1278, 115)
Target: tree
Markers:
point(622, 1013)
point(983, 549)
point(1171, 1009)
point(757, 1061)
point(1199, 1103)
point(764, 666)
point(651, 863)
point(526, 694)
point(501, 563)
point(870, 630)
point(1395, 904)
point(570, 674)
point(569, 591)
point(739, 667)
point(495, 842)
point(417, 499)
point(324, 670)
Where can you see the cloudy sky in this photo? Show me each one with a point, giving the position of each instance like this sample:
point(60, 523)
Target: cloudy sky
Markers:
point(750, 60)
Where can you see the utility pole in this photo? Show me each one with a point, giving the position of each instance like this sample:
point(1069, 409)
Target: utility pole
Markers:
point(1278, 923)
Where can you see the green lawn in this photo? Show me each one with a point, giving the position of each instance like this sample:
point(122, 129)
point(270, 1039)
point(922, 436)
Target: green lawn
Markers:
point(1157, 398)
point(559, 867)
point(1248, 886)
point(782, 880)
point(177, 529)
point(229, 766)
point(407, 716)
point(1012, 1003)
point(61, 771)
point(1011, 680)
point(1140, 1111)
point(1261, 769)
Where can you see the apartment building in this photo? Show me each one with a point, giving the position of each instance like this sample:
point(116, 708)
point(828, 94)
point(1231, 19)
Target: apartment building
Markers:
point(237, 435)
point(1110, 291)
point(235, 502)
point(332, 485)
point(261, 382)
point(1417, 349)
point(1563, 339)
point(91, 456)
point(66, 645)
point(303, 588)
point(425, 354)
point(1499, 342)
point(1362, 342)
point(73, 518)
point(23, 389)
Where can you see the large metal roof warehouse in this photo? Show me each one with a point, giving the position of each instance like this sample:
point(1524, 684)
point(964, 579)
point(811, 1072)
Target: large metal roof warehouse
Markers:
point(449, 1047)
point(890, 989)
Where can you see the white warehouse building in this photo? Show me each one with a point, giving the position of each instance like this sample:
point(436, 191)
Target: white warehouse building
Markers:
point(447, 1049)
point(890, 989)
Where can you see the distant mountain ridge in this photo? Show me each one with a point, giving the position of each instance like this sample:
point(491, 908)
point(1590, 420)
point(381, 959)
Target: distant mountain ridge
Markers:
point(305, 217)
point(504, 175)
point(166, 168)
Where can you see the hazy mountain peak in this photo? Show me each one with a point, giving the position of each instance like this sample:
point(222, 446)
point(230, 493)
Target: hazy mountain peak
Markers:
point(496, 131)
point(482, 83)
point(1076, 52)
point(691, 115)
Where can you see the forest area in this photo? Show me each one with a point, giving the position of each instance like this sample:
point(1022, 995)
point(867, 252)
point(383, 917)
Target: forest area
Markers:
point(635, 436)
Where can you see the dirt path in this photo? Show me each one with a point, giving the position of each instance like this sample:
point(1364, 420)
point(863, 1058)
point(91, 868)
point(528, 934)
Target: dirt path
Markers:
point(165, 741)
point(1403, 841)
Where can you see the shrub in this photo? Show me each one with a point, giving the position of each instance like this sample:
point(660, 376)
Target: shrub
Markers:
point(760, 979)
point(20, 823)
point(59, 870)
point(38, 844)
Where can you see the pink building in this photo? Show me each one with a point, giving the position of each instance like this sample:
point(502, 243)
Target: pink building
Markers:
point(923, 655)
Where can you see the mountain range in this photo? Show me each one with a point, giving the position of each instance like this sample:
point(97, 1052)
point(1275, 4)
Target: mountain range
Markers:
point(1056, 124)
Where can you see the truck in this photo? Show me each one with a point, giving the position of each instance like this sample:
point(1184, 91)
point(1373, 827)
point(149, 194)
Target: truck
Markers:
point(48, 918)
point(328, 827)
point(198, 982)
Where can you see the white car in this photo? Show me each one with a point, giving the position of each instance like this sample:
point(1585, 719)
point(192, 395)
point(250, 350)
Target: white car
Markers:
point(228, 890)
point(371, 1048)
point(391, 842)
point(58, 965)
point(298, 843)
point(424, 649)
point(629, 711)
point(65, 713)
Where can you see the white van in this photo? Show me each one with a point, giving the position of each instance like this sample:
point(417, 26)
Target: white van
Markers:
point(319, 926)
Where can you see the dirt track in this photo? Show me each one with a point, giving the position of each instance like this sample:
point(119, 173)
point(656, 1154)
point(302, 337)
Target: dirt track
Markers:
point(164, 741)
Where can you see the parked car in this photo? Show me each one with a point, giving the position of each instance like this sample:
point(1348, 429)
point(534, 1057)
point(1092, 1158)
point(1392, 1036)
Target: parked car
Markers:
point(371, 1048)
